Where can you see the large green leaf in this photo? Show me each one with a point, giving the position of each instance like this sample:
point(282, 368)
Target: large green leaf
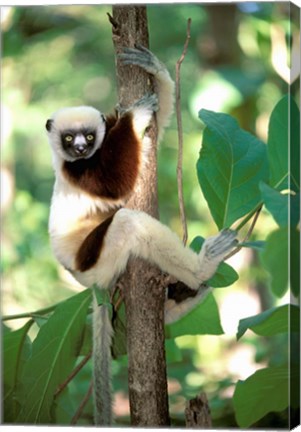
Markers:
point(16, 349)
point(294, 256)
point(284, 124)
point(273, 321)
point(225, 275)
point(54, 353)
point(278, 204)
point(203, 319)
point(265, 391)
point(232, 162)
point(275, 260)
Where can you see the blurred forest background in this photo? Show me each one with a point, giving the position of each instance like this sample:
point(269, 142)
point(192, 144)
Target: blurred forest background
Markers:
point(54, 56)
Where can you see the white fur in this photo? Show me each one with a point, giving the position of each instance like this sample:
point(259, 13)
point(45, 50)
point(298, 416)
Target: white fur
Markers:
point(134, 233)
point(73, 215)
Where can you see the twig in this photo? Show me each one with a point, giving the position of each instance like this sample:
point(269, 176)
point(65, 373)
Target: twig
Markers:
point(80, 409)
point(180, 135)
point(248, 235)
point(112, 21)
point(248, 217)
point(75, 371)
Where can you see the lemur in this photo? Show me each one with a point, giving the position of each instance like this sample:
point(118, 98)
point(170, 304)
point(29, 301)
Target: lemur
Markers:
point(97, 160)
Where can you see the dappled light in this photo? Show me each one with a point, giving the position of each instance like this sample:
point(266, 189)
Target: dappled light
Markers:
point(56, 56)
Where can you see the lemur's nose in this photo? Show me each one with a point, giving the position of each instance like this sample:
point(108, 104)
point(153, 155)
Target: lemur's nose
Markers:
point(80, 144)
point(80, 149)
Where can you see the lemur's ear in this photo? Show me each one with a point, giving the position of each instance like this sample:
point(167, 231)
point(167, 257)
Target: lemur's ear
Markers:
point(49, 124)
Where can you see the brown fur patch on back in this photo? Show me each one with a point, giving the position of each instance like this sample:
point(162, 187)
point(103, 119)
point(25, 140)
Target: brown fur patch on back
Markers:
point(113, 169)
point(90, 249)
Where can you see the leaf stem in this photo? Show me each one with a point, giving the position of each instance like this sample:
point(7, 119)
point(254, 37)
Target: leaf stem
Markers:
point(250, 230)
point(249, 216)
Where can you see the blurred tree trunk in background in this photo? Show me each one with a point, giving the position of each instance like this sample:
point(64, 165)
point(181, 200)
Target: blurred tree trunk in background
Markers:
point(221, 49)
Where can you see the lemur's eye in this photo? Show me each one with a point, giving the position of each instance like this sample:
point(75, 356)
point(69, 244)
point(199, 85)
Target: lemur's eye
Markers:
point(68, 138)
point(90, 137)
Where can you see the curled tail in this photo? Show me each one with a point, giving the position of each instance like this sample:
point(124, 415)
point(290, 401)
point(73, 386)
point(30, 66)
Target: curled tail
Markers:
point(102, 337)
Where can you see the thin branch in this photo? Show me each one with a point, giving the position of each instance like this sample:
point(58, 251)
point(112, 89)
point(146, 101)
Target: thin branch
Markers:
point(248, 235)
point(75, 371)
point(180, 135)
point(80, 409)
point(248, 217)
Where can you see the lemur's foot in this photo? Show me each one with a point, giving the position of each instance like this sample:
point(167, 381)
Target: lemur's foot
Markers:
point(217, 247)
point(181, 299)
point(214, 251)
point(142, 57)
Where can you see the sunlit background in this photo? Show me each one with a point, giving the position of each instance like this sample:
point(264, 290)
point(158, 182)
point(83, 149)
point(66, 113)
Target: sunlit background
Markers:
point(237, 62)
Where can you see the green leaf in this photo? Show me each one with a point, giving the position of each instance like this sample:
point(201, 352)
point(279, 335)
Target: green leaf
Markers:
point(16, 349)
point(173, 352)
point(275, 260)
point(54, 353)
point(197, 243)
point(294, 146)
point(273, 321)
point(265, 391)
point(13, 343)
point(102, 296)
point(225, 275)
point(278, 204)
point(203, 319)
point(295, 261)
point(232, 162)
point(278, 144)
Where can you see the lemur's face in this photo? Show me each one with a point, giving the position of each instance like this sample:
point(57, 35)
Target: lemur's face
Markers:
point(76, 133)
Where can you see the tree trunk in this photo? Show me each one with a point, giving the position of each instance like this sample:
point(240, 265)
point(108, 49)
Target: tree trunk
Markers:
point(142, 288)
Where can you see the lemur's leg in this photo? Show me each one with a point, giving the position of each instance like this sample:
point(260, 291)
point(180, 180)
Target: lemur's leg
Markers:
point(134, 233)
point(180, 300)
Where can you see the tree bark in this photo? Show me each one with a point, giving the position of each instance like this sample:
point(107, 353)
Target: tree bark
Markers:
point(197, 413)
point(142, 288)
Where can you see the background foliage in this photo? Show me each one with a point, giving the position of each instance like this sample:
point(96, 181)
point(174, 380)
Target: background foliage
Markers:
point(62, 56)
